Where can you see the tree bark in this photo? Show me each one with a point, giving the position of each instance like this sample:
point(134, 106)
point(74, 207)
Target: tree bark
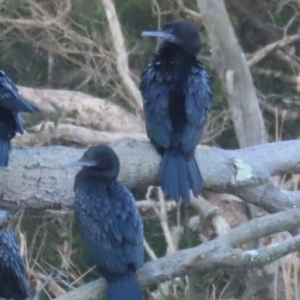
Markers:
point(36, 177)
point(230, 63)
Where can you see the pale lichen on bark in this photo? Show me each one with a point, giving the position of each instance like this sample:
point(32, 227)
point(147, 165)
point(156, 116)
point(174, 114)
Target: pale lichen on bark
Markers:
point(243, 171)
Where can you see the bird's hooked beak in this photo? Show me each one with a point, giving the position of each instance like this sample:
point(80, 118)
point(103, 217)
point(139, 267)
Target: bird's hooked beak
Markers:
point(82, 162)
point(161, 34)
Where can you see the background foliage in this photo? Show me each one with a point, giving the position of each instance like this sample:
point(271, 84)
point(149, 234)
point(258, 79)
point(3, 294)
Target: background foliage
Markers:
point(75, 51)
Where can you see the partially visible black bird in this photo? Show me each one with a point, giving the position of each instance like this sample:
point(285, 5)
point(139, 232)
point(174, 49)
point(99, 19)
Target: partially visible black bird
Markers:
point(109, 222)
point(176, 94)
point(13, 283)
point(11, 104)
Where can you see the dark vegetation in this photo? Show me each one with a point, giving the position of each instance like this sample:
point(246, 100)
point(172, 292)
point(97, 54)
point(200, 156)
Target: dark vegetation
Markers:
point(65, 57)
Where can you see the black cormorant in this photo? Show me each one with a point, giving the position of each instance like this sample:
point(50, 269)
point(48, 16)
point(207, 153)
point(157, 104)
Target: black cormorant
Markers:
point(11, 104)
point(13, 283)
point(109, 222)
point(176, 94)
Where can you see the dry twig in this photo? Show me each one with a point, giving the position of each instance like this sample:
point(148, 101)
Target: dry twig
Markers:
point(219, 253)
point(57, 33)
point(263, 52)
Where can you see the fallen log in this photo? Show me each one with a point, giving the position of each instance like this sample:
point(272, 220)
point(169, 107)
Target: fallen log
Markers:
point(36, 177)
point(81, 109)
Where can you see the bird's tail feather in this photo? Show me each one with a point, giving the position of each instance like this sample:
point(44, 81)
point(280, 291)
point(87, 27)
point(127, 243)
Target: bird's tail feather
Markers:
point(178, 175)
point(4, 152)
point(124, 289)
point(26, 106)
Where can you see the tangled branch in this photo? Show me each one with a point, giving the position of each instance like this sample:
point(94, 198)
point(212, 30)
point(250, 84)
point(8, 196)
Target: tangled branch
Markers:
point(223, 252)
point(50, 27)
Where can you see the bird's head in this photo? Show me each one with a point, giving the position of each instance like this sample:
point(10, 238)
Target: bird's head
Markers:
point(100, 160)
point(181, 33)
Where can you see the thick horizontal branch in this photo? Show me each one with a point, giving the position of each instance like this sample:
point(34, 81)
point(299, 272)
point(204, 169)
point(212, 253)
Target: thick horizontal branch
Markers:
point(36, 177)
point(219, 253)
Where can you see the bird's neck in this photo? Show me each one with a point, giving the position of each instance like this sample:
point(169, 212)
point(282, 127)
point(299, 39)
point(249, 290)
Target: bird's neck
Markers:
point(175, 53)
point(89, 174)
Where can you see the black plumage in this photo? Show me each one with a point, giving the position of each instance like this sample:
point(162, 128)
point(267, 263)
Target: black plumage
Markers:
point(13, 283)
point(109, 222)
point(176, 94)
point(11, 104)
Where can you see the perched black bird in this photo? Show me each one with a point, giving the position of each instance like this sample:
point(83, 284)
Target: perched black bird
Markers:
point(176, 95)
point(11, 104)
point(13, 283)
point(109, 222)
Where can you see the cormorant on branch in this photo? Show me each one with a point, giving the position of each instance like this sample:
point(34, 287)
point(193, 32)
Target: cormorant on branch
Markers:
point(11, 104)
point(176, 95)
point(109, 222)
point(13, 283)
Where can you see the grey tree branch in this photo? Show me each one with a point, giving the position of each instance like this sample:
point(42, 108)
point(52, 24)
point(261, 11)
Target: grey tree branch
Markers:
point(263, 52)
point(219, 253)
point(188, 11)
point(46, 132)
point(82, 109)
point(231, 66)
point(246, 173)
point(277, 74)
point(121, 54)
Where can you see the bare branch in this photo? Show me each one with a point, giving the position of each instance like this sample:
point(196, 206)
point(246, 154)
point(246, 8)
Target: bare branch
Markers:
point(216, 254)
point(278, 112)
point(290, 59)
point(121, 54)
point(163, 217)
point(58, 33)
point(263, 52)
point(277, 74)
point(188, 11)
point(210, 219)
point(45, 133)
point(83, 109)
